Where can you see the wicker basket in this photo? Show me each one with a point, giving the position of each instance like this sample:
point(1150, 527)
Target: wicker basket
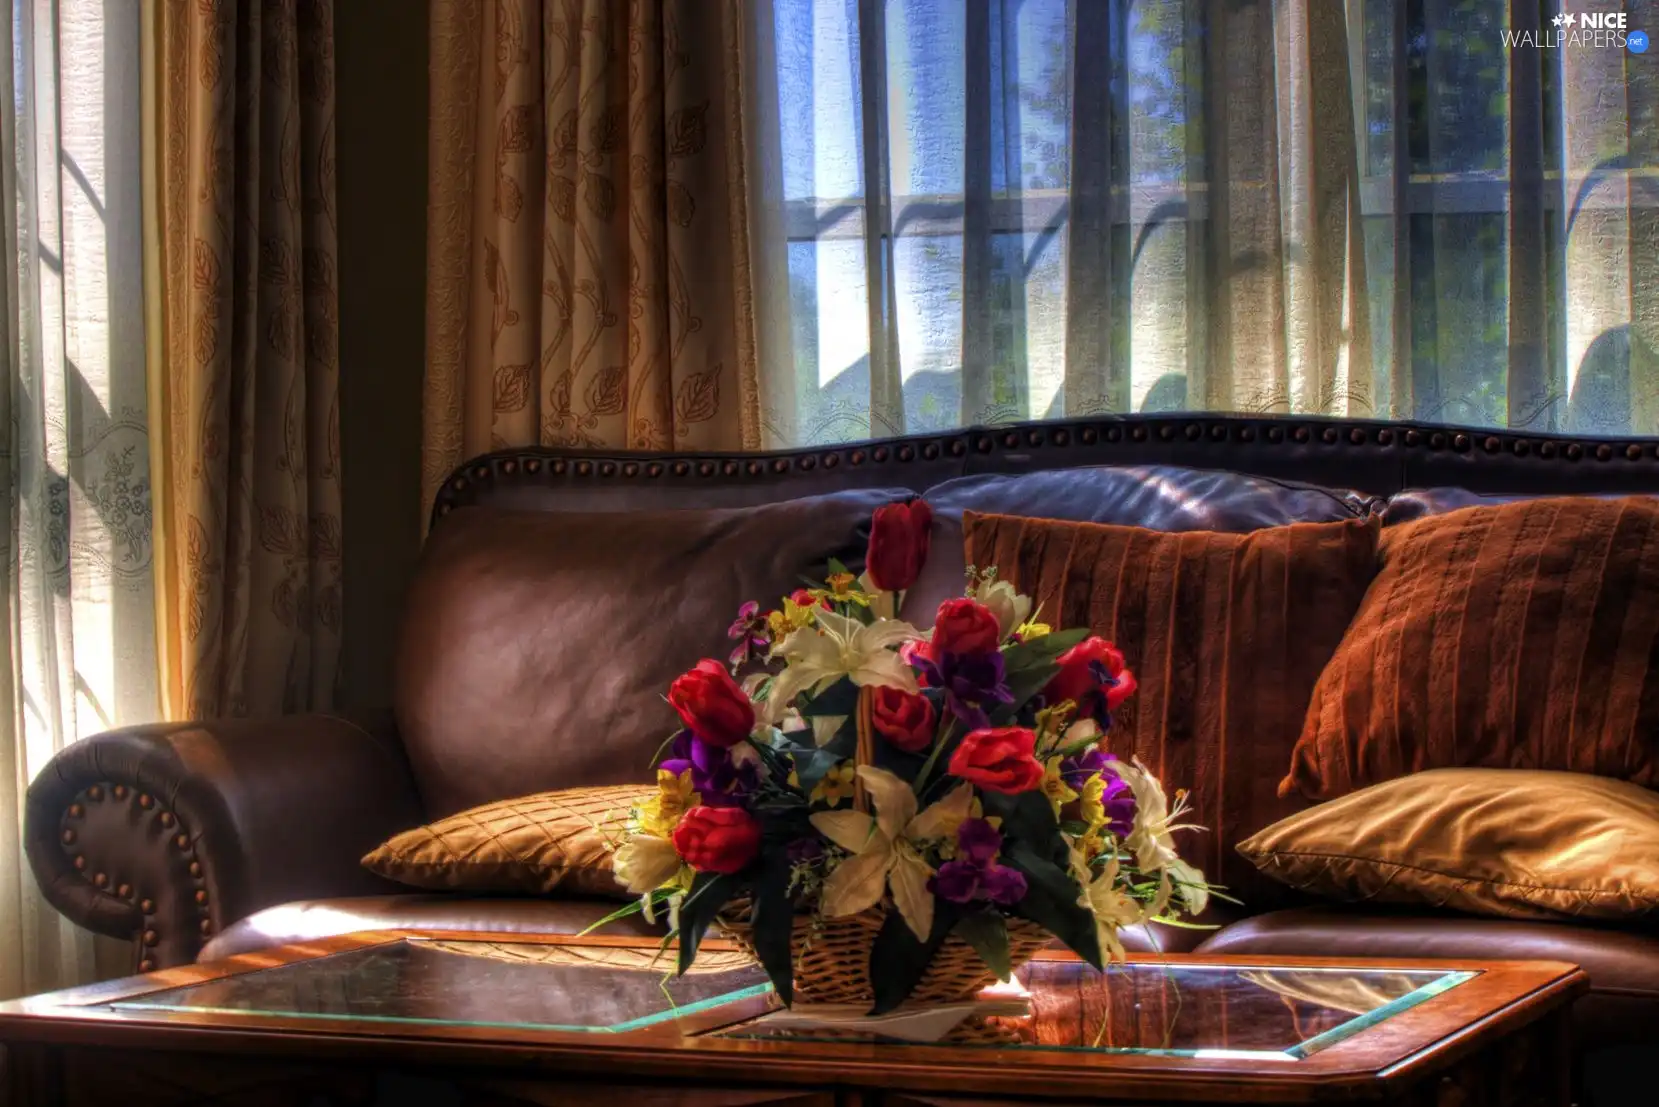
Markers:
point(832, 957)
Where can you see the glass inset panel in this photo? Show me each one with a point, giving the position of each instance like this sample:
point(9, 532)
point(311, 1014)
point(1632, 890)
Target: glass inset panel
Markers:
point(1186, 1010)
point(477, 983)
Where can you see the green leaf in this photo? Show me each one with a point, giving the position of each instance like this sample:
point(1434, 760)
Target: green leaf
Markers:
point(772, 918)
point(771, 757)
point(1182, 924)
point(988, 934)
point(1042, 650)
point(840, 698)
point(1051, 902)
point(1023, 685)
point(709, 893)
point(898, 961)
point(1027, 818)
point(633, 908)
point(811, 767)
point(836, 566)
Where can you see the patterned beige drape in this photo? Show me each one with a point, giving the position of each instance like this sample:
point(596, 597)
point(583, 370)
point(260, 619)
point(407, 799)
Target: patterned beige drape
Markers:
point(247, 466)
point(588, 275)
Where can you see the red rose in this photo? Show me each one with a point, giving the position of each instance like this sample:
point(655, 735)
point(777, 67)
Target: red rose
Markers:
point(1076, 679)
point(904, 719)
point(999, 759)
point(712, 705)
point(717, 839)
point(965, 626)
point(898, 544)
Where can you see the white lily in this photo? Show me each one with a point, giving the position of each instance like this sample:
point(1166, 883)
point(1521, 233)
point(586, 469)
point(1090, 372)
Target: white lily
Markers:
point(884, 848)
point(1190, 886)
point(1010, 608)
point(835, 646)
point(645, 863)
point(1150, 839)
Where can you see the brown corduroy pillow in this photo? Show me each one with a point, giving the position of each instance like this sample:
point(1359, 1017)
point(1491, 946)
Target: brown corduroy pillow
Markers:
point(1226, 635)
point(531, 845)
point(1521, 636)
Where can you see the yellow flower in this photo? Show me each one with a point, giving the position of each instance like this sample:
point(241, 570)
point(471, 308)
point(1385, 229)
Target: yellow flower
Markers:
point(1028, 631)
point(1053, 720)
point(659, 815)
point(1094, 805)
point(1090, 845)
point(841, 590)
point(791, 617)
point(837, 784)
point(1054, 786)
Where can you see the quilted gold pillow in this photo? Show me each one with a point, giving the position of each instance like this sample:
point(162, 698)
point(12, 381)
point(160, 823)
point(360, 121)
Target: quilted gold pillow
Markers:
point(1517, 843)
point(534, 844)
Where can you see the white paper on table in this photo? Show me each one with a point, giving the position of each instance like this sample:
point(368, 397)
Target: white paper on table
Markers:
point(911, 1024)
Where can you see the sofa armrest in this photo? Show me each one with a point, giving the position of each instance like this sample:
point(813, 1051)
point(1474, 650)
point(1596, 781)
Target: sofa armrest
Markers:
point(166, 834)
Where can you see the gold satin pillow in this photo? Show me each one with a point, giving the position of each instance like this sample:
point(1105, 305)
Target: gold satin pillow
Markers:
point(534, 844)
point(1517, 843)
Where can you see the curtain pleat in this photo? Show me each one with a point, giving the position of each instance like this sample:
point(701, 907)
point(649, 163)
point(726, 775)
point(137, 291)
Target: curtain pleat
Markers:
point(589, 260)
point(79, 653)
point(249, 469)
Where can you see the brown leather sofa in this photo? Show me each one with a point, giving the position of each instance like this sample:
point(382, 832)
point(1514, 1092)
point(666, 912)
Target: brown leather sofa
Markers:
point(216, 837)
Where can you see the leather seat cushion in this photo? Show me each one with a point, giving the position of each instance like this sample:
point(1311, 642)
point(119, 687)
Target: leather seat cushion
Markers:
point(1623, 965)
point(309, 920)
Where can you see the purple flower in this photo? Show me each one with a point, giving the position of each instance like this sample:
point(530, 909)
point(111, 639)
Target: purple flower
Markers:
point(1116, 796)
point(1119, 803)
point(965, 882)
point(957, 881)
point(974, 873)
point(714, 776)
point(970, 681)
point(750, 631)
point(1002, 885)
point(978, 842)
point(1077, 769)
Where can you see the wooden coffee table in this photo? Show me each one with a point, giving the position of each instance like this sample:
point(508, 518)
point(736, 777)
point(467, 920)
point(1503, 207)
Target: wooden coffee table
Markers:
point(445, 1018)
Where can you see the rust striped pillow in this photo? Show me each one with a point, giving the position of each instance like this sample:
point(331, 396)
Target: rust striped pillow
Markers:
point(1521, 636)
point(1227, 635)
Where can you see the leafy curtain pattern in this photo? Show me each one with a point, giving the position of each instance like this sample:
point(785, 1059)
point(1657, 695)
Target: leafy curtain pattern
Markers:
point(588, 271)
point(1007, 209)
point(249, 484)
point(79, 652)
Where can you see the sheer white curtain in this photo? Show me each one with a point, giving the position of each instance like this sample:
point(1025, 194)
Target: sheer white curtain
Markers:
point(985, 210)
point(79, 647)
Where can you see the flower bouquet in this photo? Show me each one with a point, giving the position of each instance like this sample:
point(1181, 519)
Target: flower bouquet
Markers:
point(881, 813)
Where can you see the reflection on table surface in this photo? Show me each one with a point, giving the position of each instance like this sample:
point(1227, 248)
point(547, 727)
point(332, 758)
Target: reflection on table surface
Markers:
point(477, 983)
point(1180, 1008)
point(1184, 1009)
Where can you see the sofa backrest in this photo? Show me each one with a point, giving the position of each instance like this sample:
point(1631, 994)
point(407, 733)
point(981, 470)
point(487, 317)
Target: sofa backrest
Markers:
point(537, 646)
point(559, 593)
point(1374, 457)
